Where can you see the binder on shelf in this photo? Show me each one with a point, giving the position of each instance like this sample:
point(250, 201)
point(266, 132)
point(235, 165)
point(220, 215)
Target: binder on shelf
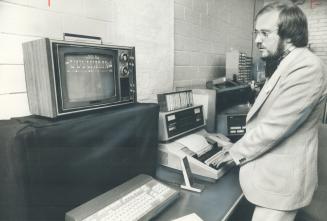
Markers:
point(175, 100)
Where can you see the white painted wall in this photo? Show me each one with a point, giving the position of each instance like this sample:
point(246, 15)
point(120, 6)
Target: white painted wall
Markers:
point(146, 24)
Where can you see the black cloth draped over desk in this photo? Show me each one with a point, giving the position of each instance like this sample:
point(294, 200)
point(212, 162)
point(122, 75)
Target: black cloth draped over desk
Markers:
point(49, 166)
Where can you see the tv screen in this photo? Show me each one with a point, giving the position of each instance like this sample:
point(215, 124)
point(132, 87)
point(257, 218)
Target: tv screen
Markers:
point(66, 77)
point(89, 77)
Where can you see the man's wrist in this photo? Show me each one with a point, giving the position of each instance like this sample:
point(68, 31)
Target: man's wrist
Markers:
point(238, 160)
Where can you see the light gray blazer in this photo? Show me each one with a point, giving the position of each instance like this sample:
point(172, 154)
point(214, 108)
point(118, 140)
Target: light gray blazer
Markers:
point(278, 153)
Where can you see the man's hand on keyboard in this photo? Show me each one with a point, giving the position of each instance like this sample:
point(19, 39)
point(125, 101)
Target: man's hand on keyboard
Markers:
point(227, 159)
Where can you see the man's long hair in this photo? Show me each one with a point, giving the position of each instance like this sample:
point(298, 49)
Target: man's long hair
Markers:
point(292, 22)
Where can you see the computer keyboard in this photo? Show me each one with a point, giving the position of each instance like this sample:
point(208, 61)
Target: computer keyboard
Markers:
point(140, 198)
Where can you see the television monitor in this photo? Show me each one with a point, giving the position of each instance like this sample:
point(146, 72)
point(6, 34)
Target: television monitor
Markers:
point(65, 77)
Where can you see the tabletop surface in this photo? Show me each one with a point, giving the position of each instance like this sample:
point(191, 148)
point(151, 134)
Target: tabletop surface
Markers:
point(214, 203)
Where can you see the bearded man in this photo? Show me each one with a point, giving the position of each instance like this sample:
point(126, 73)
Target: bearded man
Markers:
point(278, 153)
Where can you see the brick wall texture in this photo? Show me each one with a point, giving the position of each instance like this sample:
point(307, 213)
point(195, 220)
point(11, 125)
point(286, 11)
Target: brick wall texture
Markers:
point(179, 43)
point(145, 24)
point(316, 11)
point(204, 31)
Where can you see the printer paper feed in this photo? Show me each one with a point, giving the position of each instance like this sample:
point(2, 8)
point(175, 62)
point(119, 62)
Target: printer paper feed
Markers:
point(196, 143)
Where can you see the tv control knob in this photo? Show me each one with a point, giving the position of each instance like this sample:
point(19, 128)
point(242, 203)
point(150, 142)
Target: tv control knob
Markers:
point(124, 57)
point(124, 71)
point(131, 64)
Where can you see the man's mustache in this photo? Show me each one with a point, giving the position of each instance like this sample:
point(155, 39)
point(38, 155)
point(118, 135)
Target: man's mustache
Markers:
point(259, 46)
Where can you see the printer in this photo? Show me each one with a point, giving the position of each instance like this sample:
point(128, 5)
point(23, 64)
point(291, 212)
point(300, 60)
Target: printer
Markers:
point(182, 134)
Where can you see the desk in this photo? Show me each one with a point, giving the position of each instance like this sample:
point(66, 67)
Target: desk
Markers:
point(50, 166)
point(215, 202)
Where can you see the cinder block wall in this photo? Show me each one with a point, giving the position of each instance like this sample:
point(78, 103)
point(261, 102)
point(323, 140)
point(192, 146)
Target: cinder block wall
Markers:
point(204, 31)
point(316, 11)
point(145, 24)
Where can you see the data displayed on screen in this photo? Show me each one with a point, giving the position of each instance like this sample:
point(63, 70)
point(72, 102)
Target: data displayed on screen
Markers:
point(89, 77)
